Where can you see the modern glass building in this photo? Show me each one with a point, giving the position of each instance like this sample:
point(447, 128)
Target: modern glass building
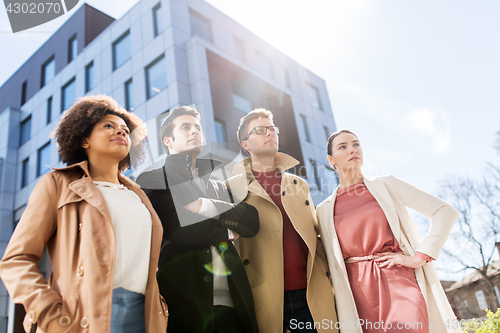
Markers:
point(160, 55)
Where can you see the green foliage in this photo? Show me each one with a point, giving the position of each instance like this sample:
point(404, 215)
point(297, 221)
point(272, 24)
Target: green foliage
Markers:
point(490, 325)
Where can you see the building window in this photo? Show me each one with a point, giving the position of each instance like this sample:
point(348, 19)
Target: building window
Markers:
point(220, 132)
point(157, 19)
point(241, 97)
point(24, 176)
point(68, 94)
point(240, 49)
point(89, 77)
point(43, 160)
point(314, 170)
point(72, 48)
point(306, 128)
point(24, 92)
point(481, 300)
point(121, 50)
point(200, 25)
point(265, 64)
point(313, 94)
point(129, 96)
point(156, 76)
point(327, 132)
point(48, 71)
point(25, 130)
point(49, 110)
point(287, 78)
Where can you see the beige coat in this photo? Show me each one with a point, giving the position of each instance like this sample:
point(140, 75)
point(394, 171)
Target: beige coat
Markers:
point(262, 255)
point(67, 213)
point(393, 195)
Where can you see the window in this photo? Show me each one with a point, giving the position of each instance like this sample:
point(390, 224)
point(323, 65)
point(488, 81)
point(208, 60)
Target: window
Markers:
point(121, 50)
point(264, 64)
point(156, 76)
point(48, 71)
point(72, 48)
point(327, 132)
point(43, 160)
point(129, 96)
point(240, 49)
point(68, 95)
point(49, 110)
point(287, 78)
point(24, 177)
point(89, 77)
point(481, 300)
point(314, 170)
point(24, 92)
point(306, 128)
point(220, 132)
point(241, 97)
point(25, 130)
point(200, 26)
point(157, 19)
point(313, 94)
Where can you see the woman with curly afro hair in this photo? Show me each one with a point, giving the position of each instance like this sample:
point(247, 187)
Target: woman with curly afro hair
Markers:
point(102, 235)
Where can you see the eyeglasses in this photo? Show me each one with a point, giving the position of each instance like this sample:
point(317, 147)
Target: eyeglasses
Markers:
point(259, 130)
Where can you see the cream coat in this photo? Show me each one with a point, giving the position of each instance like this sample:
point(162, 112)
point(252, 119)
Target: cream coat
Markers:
point(67, 213)
point(262, 255)
point(393, 195)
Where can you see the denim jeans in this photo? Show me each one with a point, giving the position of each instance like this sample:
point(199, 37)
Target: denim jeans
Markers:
point(296, 316)
point(127, 314)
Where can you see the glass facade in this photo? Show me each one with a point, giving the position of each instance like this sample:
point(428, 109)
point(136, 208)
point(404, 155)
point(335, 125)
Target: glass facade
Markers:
point(43, 160)
point(68, 95)
point(25, 130)
point(48, 71)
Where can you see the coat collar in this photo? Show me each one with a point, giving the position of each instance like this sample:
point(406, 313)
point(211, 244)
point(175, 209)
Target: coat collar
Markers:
point(378, 189)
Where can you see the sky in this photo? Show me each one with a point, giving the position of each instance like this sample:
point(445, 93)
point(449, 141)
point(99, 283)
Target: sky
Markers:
point(417, 81)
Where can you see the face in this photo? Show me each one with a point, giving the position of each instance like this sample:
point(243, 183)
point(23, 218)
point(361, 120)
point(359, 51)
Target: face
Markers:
point(187, 136)
point(261, 145)
point(110, 137)
point(347, 153)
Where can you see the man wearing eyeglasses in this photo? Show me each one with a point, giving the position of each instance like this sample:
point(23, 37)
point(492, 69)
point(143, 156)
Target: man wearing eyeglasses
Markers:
point(285, 262)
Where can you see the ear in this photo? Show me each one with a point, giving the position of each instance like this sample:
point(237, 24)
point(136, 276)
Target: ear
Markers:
point(330, 160)
point(245, 146)
point(85, 144)
point(168, 142)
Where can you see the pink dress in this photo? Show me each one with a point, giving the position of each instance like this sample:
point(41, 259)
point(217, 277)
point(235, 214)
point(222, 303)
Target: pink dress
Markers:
point(387, 300)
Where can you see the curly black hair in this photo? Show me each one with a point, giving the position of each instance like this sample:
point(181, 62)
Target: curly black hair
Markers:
point(79, 121)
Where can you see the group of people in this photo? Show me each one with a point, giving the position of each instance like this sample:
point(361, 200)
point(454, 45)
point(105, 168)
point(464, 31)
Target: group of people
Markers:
point(181, 252)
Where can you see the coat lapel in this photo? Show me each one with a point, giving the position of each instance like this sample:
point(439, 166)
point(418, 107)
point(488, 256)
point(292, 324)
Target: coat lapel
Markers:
point(379, 191)
point(87, 190)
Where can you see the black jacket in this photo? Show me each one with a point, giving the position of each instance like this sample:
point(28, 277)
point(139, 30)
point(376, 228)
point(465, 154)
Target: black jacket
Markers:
point(184, 275)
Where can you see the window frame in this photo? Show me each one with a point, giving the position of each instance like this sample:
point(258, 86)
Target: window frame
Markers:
point(22, 124)
point(48, 118)
point(318, 97)
point(25, 172)
point(24, 92)
point(71, 55)
point(44, 71)
point(88, 68)
point(146, 70)
point(129, 94)
point(157, 30)
point(113, 49)
point(63, 89)
point(38, 162)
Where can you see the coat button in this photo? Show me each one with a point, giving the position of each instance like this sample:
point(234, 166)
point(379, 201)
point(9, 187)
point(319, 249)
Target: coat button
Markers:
point(84, 322)
point(307, 202)
point(328, 274)
point(246, 262)
point(79, 226)
point(64, 321)
point(284, 193)
point(295, 181)
point(336, 266)
point(315, 228)
point(31, 316)
point(206, 250)
point(156, 269)
point(187, 157)
point(79, 271)
point(206, 278)
point(340, 287)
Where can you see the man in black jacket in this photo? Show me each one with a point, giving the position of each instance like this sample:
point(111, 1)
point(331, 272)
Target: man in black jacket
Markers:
point(200, 272)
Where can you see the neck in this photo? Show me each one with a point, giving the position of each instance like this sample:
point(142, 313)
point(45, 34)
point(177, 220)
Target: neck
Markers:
point(350, 177)
point(263, 163)
point(105, 172)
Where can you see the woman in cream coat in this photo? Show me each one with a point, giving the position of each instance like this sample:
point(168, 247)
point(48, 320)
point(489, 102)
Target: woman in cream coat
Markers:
point(392, 195)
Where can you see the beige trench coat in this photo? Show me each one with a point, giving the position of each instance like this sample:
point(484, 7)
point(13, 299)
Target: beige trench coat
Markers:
point(262, 255)
point(67, 213)
point(393, 194)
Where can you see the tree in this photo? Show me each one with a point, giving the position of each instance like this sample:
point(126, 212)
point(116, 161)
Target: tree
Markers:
point(478, 226)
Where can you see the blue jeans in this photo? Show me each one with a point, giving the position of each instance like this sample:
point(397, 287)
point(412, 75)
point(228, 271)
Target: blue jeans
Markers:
point(296, 316)
point(127, 313)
